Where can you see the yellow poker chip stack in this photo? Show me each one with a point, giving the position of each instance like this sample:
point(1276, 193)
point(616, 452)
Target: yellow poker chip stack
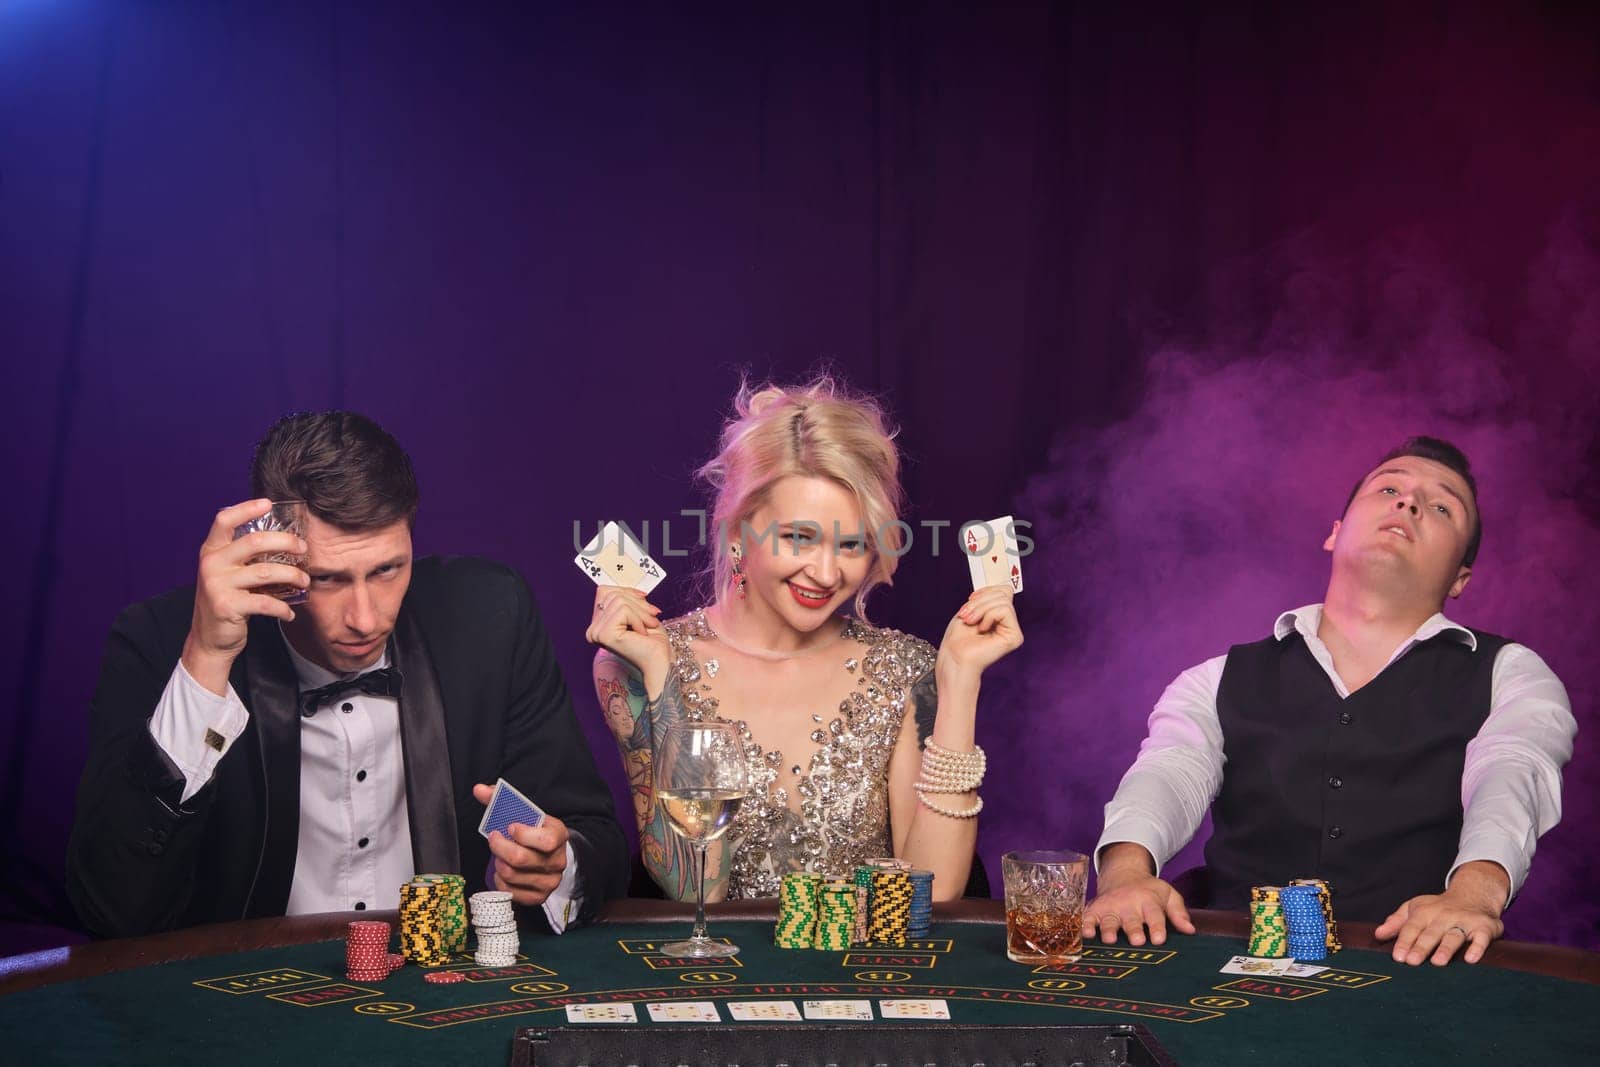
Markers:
point(421, 925)
point(1324, 898)
point(836, 915)
point(799, 899)
point(452, 908)
point(891, 907)
point(1269, 930)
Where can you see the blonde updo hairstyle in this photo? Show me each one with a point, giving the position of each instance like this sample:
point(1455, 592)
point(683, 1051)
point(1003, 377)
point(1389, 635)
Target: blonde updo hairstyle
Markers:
point(816, 430)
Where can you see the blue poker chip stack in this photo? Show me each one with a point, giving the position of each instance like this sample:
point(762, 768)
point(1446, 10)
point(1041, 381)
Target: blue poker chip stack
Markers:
point(921, 904)
point(1308, 927)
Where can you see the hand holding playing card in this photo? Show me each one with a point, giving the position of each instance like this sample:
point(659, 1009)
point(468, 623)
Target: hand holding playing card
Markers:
point(628, 625)
point(982, 632)
point(528, 860)
point(624, 622)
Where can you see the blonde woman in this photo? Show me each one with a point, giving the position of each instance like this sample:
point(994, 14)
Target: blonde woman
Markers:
point(804, 525)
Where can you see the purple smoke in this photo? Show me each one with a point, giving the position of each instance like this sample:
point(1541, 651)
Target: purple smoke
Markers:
point(1189, 525)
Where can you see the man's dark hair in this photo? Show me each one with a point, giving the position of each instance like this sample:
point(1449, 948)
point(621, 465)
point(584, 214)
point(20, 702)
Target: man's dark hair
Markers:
point(1445, 454)
point(347, 469)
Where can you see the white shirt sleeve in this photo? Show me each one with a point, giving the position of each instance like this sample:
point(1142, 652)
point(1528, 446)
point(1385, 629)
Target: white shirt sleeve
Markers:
point(1165, 794)
point(562, 905)
point(195, 727)
point(1511, 782)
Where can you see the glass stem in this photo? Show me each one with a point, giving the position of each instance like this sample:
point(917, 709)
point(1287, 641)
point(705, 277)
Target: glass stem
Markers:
point(700, 894)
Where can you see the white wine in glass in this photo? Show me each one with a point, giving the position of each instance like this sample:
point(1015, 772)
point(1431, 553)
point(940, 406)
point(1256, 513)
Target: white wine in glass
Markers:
point(701, 778)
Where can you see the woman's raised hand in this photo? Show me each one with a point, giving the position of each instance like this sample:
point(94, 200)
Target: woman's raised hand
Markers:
point(628, 625)
point(982, 632)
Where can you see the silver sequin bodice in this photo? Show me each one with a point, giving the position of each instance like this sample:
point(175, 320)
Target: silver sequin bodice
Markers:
point(843, 794)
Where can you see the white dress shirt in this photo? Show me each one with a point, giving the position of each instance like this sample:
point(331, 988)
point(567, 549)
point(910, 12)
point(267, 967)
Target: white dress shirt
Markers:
point(354, 848)
point(1510, 784)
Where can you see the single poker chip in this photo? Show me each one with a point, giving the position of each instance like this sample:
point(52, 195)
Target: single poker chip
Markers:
point(444, 978)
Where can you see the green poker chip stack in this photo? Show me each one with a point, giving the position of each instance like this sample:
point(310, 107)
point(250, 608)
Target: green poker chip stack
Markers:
point(1269, 930)
point(836, 915)
point(799, 900)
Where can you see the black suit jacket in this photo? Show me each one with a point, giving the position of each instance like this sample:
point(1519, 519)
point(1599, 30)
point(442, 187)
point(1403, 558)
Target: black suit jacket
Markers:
point(483, 698)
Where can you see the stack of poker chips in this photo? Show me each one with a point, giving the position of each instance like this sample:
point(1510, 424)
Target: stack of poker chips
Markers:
point(891, 907)
point(921, 903)
point(495, 925)
point(836, 915)
point(1269, 931)
point(452, 908)
point(799, 901)
point(863, 881)
point(1325, 898)
point(421, 927)
point(366, 952)
point(1308, 930)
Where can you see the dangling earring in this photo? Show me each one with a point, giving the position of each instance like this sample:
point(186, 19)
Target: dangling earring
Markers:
point(738, 570)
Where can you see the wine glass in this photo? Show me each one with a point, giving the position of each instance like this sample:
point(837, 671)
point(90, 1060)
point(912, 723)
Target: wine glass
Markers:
point(701, 777)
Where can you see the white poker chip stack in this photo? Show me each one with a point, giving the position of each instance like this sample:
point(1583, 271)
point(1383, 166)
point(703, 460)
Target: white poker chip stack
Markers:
point(496, 927)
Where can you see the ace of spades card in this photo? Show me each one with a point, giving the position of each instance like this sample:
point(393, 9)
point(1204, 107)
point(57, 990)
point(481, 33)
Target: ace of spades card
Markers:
point(615, 558)
point(992, 556)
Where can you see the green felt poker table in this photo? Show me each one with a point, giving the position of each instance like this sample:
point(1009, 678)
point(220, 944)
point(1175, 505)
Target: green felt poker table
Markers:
point(274, 991)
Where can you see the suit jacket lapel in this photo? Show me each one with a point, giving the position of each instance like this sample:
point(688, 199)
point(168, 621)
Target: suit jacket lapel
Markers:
point(273, 693)
point(430, 801)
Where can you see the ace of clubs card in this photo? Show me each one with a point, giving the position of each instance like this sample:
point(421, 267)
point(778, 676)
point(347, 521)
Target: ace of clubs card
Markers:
point(615, 558)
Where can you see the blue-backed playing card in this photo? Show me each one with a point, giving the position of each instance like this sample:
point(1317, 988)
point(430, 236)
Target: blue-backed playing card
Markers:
point(506, 807)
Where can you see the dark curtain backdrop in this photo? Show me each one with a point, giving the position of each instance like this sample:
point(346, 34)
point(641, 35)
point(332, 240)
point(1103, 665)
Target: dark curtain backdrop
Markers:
point(1162, 278)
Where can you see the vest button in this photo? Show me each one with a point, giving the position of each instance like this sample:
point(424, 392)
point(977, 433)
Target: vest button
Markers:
point(1335, 833)
point(1336, 782)
point(1344, 718)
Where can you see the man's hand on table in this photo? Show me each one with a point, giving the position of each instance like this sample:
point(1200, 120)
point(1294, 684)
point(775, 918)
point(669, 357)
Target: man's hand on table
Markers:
point(1466, 913)
point(528, 860)
point(1131, 898)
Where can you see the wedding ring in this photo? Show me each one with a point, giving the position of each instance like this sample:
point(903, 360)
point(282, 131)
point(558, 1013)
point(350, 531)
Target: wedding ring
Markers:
point(1463, 930)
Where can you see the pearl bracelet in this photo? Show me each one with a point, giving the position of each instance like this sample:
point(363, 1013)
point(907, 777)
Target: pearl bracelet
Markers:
point(944, 771)
point(977, 806)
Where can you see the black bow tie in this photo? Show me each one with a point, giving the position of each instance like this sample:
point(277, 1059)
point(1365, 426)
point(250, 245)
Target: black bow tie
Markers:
point(384, 682)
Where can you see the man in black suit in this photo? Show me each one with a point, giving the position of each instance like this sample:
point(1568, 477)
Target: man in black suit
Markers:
point(251, 758)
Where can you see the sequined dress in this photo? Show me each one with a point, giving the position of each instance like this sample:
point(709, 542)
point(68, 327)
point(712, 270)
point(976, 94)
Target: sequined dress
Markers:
point(843, 815)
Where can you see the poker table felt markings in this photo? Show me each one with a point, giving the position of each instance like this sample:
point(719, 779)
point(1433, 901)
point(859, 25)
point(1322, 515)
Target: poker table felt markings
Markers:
point(291, 1003)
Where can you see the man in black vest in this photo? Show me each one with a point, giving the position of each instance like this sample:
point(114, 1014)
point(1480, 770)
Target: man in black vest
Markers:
point(1409, 761)
point(249, 758)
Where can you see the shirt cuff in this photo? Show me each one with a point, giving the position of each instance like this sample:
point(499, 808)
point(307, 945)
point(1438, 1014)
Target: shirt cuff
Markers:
point(563, 903)
point(195, 728)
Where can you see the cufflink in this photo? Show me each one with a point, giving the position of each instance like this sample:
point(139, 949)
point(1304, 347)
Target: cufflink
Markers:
point(214, 739)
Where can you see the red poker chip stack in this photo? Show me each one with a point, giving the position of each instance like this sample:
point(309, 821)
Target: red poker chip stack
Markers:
point(444, 977)
point(366, 952)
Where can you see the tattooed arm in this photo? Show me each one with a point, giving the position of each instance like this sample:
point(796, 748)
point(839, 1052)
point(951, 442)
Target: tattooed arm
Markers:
point(635, 721)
